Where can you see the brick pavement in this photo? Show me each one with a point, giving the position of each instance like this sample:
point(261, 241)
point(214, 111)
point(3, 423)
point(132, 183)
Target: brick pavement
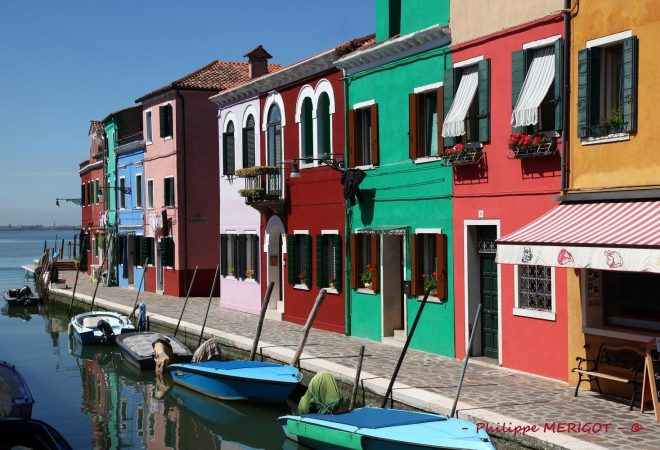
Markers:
point(490, 393)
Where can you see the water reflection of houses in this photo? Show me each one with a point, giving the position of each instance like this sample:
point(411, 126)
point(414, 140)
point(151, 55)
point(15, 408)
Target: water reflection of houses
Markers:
point(163, 429)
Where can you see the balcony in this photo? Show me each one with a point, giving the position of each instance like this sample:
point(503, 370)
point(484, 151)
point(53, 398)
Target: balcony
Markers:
point(263, 188)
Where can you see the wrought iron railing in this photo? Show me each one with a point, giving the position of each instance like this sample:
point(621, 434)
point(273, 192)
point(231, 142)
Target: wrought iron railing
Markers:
point(262, 184)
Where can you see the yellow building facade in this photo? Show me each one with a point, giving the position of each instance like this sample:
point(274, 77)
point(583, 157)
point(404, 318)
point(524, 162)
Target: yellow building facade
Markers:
point(614, 159)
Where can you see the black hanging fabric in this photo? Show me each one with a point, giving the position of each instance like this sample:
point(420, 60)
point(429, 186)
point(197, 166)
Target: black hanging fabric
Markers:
point(124, 256)
point(351, 180)
point(166, 228)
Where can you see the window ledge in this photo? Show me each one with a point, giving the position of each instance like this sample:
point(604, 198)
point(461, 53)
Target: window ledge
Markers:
point(618, 137)
point(431, 299)
point(331, 291)
point(230, 277)
point(427, 159)
point(535, 314)
point(627, 335)
point(250, 280)
point(167, 138)
point(366, 167)
point(366, 291)
point(149, 142)
point(302, 287)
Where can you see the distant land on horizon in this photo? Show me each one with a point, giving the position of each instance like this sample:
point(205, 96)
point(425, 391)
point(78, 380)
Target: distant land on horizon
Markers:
point(11, 227)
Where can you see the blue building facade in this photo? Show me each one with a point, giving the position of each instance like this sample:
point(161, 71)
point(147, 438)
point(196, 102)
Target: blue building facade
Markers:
point(131, 204)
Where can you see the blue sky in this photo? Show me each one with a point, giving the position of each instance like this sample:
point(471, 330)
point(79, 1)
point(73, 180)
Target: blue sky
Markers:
point(64, 63)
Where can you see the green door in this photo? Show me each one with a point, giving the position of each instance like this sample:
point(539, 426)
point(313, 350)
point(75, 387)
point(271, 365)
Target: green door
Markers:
point(488, 275)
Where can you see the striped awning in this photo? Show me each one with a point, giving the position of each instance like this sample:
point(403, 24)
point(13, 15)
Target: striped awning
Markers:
point(598, 235)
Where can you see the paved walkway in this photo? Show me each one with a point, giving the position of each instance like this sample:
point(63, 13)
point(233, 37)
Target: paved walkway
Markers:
point(490, 394)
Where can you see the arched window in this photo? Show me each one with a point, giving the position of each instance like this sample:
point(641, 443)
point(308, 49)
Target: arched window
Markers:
point(228, 155)
point(307, 130)
point(274, 136)
point(248, 143)
point(323, 124)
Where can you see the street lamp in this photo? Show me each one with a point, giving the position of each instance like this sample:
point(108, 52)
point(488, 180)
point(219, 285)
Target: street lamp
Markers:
point(327, 160)
point(77, 201)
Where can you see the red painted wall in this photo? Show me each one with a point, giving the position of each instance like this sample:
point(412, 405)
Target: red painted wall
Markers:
point(315, 203)
point(90, 214)
point(515, 192)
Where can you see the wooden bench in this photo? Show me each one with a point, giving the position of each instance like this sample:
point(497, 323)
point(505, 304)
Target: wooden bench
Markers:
point(614, 362)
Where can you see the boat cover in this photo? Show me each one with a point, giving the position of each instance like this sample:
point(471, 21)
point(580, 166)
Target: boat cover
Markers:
point(233, 365)
point(209, 350)
point(322, 395)
point(377, 418)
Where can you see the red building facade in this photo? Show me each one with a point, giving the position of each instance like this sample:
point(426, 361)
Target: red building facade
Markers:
point(505, 185)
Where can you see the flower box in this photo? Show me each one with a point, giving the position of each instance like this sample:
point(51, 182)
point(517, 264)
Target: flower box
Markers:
point(459, 155)
point(523, 145)
point(256, 171)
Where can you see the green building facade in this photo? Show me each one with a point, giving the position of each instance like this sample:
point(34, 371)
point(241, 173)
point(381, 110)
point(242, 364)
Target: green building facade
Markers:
point(401, 223)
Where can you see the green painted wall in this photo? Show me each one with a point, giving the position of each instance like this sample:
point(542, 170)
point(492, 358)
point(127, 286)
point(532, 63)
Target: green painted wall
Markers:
point(111, 173)
point(399, 192)
point(407, 16)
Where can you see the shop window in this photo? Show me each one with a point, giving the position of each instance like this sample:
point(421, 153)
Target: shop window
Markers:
point(535, 288)
point(363, 136)
point(607, 87)
point(328, 261)
point(630, 300)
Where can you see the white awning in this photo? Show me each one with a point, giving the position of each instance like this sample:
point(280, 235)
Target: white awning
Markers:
point(454, 124)
point(617, 235)
point(537, 82)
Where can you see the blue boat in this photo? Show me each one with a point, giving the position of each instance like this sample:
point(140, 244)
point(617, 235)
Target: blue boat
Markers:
point(15, 397)
point(31, 433)
point(378, 428)
point(239, 380)
point(84, 327)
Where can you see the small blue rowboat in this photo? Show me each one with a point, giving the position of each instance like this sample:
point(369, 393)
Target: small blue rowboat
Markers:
point(384, 429)
point(85, 327)
point(15, 397)
point(238, 380)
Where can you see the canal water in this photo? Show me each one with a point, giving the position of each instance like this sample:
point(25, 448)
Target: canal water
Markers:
point(95, 399)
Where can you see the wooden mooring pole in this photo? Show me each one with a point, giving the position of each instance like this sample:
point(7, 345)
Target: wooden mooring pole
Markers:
point(215, 277)
point(144, 271)
point(264, 308)
point(308, 326)
point(186, 301)
point(357, 379)
point(468, 350)
point(75, 285)
point(98, 280)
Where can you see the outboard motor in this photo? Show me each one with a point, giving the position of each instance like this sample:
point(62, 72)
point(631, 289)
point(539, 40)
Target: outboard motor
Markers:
point(106, 329)
point(25, 291)
point(142, 317)
point(163, 353)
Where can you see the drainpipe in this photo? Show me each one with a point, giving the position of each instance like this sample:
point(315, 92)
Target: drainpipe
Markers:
point(565, 94)
point(347, 225)
point(185, 191)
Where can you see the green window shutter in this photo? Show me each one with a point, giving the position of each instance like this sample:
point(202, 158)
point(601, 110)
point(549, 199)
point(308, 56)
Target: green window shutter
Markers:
point(170, 251)
point(559, 83)
point(629, 100)
point(307, 243)
point(321, 262)
point(165, 116)
point(136, 250)
point(223, 255)
point(242, 255)
point(291, 258)
point(167, 252)
point(96, 243)
point(583, 93)
point(483, 92)
point(255, 256)
point(144, 253)
point(449, 84)
point(152, 250)
point(339, 274)
point(518, 72)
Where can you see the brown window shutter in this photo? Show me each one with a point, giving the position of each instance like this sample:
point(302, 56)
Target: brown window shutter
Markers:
point(352, 139)
point(414, 270)
point(354, 261)
point(413, 130)
point(374, 135)
point(441, 255)
point(375, 262)
point(441, 115)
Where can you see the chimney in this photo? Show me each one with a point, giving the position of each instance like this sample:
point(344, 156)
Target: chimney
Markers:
point(258, 60)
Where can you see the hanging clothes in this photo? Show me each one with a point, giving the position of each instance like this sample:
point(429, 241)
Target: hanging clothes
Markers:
point(351, 180)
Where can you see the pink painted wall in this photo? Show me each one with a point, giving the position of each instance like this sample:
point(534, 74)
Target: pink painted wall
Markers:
point(514, 192)
point(195, 187)
point(235, 215)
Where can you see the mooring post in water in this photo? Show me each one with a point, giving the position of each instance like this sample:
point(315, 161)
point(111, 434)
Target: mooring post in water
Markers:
point(468, 350)
point(405, 348)
point(186, 301)
point(308, 326)
point(215, 277)
point(144, 270)
point(75, 285)
point(98, 281)
point(45, 246)
point(357, 379)
point(262, 314)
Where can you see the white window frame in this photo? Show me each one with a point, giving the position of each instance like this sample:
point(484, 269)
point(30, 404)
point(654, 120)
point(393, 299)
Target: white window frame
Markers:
point(322, 87)
point(235, 257)
point(150, 195)
point(306, 92)
point(122, 193)
point(532, 313)
point(149, 126)
point(423, 90)
point(167, 138)
point(301, 286)
point(363, 105)
point(330, 233)
point(541, 42)
point(138, 189)
point(174, 193)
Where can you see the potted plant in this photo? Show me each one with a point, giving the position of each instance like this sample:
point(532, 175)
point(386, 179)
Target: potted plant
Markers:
point(249, 274)
point(302, 277)
point(231, 271)
point(523, 144)
point(431, 282)
point(455, 152)
point(331, 281)
point(367, 276)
